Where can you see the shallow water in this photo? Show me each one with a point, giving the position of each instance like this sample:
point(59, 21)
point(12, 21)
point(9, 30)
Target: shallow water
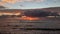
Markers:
point(13, 25)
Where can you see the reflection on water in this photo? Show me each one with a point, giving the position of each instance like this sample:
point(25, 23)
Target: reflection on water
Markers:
point(13, 25)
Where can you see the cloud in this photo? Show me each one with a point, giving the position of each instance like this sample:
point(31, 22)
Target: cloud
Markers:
point(39, 0)
point(2, 2)
point(15, 1)
point(30, 0)
point(21, 0)
point(9, 1)
point(36, 13)
point(55, 0)
point(2, 7)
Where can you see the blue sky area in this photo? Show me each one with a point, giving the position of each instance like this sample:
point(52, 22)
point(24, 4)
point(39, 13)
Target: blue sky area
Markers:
point(32, 4)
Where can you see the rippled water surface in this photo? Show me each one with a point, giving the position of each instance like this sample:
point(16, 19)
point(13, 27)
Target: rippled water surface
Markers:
point(14, 25)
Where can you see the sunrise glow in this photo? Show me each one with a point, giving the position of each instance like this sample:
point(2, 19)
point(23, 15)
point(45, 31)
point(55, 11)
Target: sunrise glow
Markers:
point(29, 18)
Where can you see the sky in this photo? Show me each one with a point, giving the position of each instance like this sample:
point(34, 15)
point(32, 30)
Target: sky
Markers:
point(29, 4)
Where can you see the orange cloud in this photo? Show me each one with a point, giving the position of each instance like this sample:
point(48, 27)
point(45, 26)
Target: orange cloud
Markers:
point(2, 3)
point(9, 1)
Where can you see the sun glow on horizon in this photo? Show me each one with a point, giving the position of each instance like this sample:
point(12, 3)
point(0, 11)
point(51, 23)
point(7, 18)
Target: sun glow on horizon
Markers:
point(29, 18)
